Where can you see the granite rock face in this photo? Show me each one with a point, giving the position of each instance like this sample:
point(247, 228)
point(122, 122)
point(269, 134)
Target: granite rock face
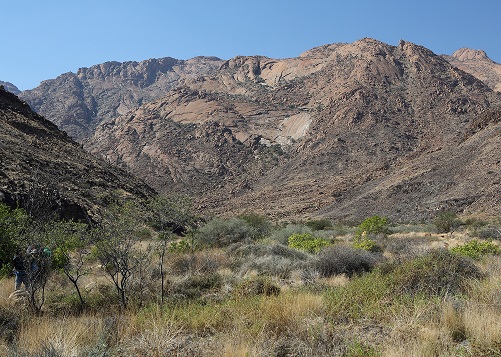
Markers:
point(343, 131)
point(78, 102)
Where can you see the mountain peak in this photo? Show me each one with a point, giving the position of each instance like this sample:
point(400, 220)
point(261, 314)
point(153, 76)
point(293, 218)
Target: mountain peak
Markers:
point(465, 54)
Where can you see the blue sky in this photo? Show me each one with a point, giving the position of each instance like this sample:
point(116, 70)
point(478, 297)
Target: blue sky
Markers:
point(43, 39)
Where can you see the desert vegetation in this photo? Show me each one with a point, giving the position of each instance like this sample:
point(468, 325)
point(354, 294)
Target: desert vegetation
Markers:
point(160, 279)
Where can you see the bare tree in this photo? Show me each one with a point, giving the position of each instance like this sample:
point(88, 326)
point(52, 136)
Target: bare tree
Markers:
point(117, 247)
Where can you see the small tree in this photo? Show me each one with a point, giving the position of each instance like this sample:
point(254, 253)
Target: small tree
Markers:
point(13, 224)
point(116, 247)
point(71, 251)
point(169, 215)
point(374, 225)
point(370, 227)
point(446, 221)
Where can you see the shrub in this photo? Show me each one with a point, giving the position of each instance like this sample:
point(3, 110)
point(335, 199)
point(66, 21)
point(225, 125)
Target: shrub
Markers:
point(260, 225)
point(181, 246)
point(475, 249)
point(257, 286)
point(307, 242)
point(489, 232)
point(446, 222)
point(365, 243)
point(374, 225)
point(319, 224)
point(219, 232)
point(195, 286)
point(437, 272)
point(282, 235)
point(340, 259)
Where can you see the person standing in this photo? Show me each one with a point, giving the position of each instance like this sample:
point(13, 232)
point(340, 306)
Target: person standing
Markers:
point(19, 263)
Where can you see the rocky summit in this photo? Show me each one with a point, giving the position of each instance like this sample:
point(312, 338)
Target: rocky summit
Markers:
point(343, 131)
point(477, 63)
point(43, 170)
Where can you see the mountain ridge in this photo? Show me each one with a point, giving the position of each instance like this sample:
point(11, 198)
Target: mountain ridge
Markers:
point(343, 131)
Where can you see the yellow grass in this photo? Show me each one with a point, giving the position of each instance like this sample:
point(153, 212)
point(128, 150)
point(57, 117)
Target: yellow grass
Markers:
point(6, 288)
point(67, 335)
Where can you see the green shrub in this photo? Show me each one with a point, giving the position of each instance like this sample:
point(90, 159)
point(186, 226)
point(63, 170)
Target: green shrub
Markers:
point(340, 259)
point(219, 232)
point(257, 286)
point(366, 243)
point(282, 235)
point(476, 250)
point(437, 272)
point(181, 246)
point(319, 224)
point(260, 225)
point(446, 222)
point(307, 242)
point(374, 225)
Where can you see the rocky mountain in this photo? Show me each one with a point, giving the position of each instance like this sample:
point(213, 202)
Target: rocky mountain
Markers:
point(478, 64)
point(10, 87)
point(43, 170)
point(342, 131)
point(78, 102)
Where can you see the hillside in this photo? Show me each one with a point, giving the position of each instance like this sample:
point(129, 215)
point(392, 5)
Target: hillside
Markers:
point(43, 170)
point(342, 131)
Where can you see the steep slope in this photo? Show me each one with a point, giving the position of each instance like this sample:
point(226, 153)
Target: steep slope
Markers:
point(43, 170)
point(76, 103)
point(478, 64)
point(344, 130)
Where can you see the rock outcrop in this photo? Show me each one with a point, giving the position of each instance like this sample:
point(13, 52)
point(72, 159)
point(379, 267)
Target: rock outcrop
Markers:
point(78, 102)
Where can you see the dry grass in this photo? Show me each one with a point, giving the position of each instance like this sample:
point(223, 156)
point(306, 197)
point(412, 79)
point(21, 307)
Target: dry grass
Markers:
point(68, 336)
point(6, 288)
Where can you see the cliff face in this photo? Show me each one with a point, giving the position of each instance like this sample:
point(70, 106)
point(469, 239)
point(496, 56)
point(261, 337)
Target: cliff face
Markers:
point(43, 170)
point(76, 103)
point(342, 131)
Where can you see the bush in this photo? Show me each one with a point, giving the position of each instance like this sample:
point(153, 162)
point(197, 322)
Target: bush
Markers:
point(260, 225)
point(257, 286)
point(282, 235)
point(446, 222)
point(374, 225)
point(438, 272)
point(307, 242)
point(195, 286)
point(365, 243)
point(219, 232)
point(319, 224)
point(274, 260)
point(476, 250)
point(340, 259)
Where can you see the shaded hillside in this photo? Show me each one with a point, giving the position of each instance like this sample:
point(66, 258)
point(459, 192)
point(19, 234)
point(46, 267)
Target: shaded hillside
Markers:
point(478, 64)
point(42, 169)
point(344, 130)
point(76, 103)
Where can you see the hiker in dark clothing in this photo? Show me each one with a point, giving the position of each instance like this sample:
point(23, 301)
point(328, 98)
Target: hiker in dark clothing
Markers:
point(19, 263)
